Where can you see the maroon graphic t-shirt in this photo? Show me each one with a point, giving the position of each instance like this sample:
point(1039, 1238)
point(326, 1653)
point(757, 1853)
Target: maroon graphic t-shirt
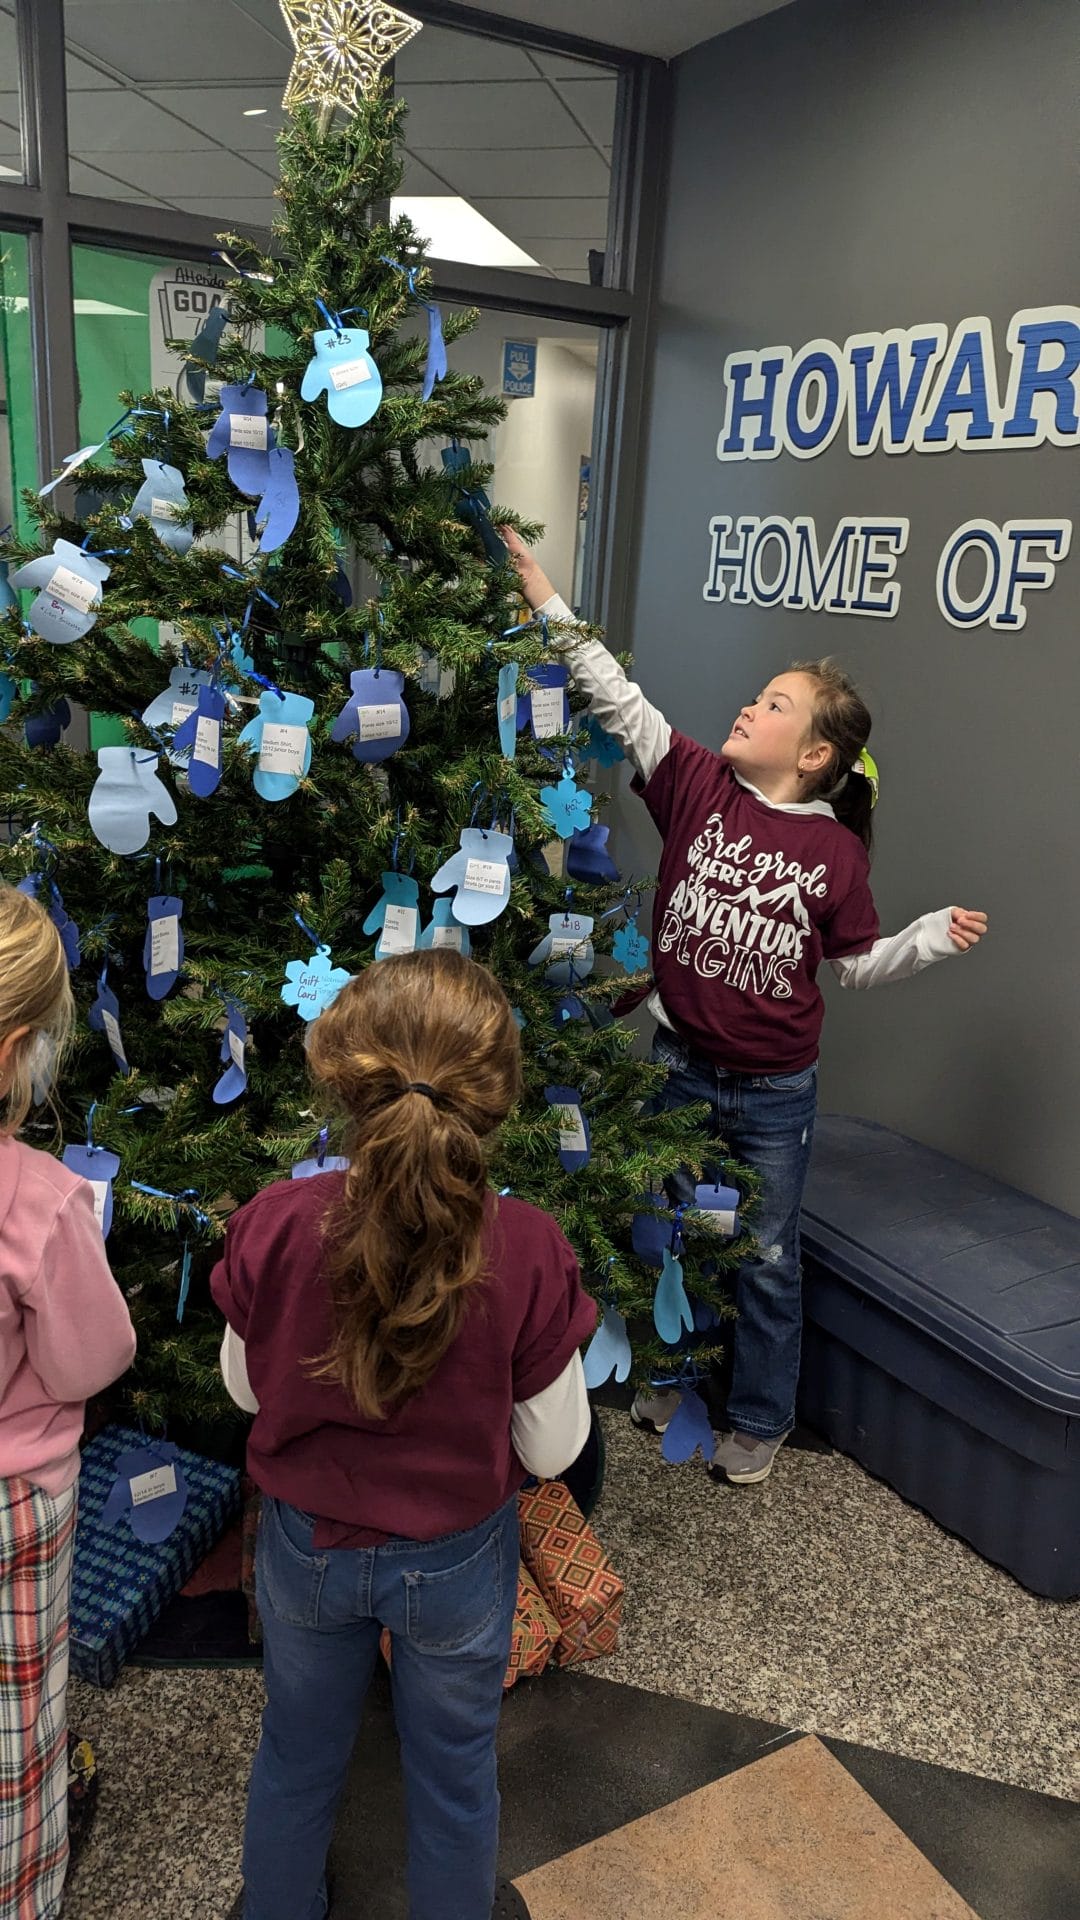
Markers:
point(750, 900)
point(441, 1462)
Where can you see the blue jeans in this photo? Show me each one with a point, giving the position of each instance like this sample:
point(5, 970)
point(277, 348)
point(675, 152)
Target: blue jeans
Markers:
point(449, 1605)
point(767, 1122)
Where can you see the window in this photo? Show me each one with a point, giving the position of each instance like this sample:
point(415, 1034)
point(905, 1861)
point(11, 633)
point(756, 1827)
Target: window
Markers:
point(18, 446)
point(11, 154)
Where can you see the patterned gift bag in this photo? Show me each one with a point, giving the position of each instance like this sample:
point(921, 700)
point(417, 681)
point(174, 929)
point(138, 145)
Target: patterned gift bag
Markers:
point(572, 1571)
point(536, 1632)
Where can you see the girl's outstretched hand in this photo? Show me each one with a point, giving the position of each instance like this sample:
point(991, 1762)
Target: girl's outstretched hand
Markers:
point(967, 928)
point(535, 584)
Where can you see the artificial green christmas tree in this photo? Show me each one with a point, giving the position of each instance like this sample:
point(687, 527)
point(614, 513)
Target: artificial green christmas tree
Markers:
point(274, 860)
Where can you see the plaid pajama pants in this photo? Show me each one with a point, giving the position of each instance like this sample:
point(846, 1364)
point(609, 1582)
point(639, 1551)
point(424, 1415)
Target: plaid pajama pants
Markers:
point(37, 1536)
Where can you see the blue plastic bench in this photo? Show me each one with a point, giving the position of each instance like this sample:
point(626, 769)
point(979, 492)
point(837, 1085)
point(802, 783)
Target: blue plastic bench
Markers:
point(942, 1343)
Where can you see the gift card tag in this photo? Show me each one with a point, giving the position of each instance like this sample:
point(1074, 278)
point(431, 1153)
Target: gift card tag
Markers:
point(399, 930)
point(283, 748)
point(312, 985)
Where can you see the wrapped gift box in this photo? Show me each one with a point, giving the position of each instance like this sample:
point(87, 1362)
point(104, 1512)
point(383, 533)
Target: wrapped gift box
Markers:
point(573, 1573)
point(119, 1585)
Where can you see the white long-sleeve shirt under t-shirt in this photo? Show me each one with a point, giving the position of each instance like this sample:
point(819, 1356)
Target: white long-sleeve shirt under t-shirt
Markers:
point(622, 709)
point(547, 1432)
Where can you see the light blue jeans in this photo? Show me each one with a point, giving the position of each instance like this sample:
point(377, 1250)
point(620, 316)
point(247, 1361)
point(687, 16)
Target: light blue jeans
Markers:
point(449, 1605)
point(766, 1121)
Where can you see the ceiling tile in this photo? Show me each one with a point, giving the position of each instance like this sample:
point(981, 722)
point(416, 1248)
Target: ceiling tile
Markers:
point(489, 113)
point(159, 40)
point(420, 179)
point(83, 78)
point(440, 53)
point(219, 112)
point(210, 175)
point(546, 219)
point(543, 172)
point(560, 66)
point(104, 186)
point(244, 214)
point(123, 122)
point(592, 102)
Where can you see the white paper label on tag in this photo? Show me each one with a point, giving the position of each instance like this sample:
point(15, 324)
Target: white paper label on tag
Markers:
point(508, 707)
point(718, 1220)
point(99, 1189)
point(564, 943)
point(486, 876)
point(447, 937)
point(447, 682)
point(248, 430)
point(166, 510)
point(380, 723)
point(165, 944)
point(72, 590)
point(351, 373)
point(207, 740)
point(112, 1034)
point(547, 711)
point(399, 930)
point(283, 748)
point(181, 709)
point(571, 1130)
point(152, 1486)
point(236, 1049)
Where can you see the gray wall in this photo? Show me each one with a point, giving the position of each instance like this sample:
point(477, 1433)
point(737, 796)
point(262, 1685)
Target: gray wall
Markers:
point(853, 164)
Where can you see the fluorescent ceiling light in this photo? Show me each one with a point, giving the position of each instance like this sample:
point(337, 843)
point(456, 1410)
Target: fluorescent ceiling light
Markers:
point(456, 231)
point(252, 113)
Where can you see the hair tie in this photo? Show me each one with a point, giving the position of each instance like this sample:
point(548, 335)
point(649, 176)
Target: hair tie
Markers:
point(421, 1086)
point(867, 766)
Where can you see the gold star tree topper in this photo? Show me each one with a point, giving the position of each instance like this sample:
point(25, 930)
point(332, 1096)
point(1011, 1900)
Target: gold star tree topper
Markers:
point(342, 47)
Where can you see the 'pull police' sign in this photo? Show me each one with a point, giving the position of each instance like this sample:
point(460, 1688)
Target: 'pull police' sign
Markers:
point(922, 389)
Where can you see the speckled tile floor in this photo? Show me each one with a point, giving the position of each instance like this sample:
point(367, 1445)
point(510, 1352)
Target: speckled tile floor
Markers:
point(819, 1601)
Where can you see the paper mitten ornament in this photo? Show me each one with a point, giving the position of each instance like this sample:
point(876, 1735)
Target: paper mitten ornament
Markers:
point(104, 1017)
point(47, 891)
point(71, 583)
point(436, 363)
point(150, 1489)
point(568, 807)
point(603, 746)
point(650, 1235)
point(279, 735)
point(198, 742)
point(481, 873)
point(508, 709)
point(243, 431)
point(374, 717)
point(344, 370)
point(279, 508)
point(233, 1057)
point(397, 913)
point(720, 1206)
point(171, 707)
point(587, 856)
point(443, 930)
point(44, 729)
point(608, 1351)
point(204, 349)
point(671, 1308)
point(125, 794)
point(575, 1146)
point(99, 1167)
point(549, 702)
point(689, 1431)
point(8, 597)
point(566, 953)
point(162, 500)
point(630, 948)
point(473, 505)
point(163, 948)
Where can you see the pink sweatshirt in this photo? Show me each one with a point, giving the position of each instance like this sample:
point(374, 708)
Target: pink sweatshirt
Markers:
point(65, 1331)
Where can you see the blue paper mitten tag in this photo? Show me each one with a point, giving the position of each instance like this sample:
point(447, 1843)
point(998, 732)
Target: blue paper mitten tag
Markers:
point(374, 717)
point(568, 1007)
point(672, 1313)
point(104, 1017)
point(630, 948)
point(312, 985)
point(435, 364)
point(243, 432)
point(343, 369)
point(198, 742)
point(99, 1167)
point(689, 1431)
point(171, 707)
point(566, 953)
point(70, 581)
point(279, 736)
point(44, 729)
point(8, 597)
point(204, 350)
point(397, 914)
point(568, 807)
point(650, 1236)
point(124, 795)
point(603, 747)
point(279, 508)
point(588, 856)
point(163, 501)
point(233, 1056)
point(150, 1488)
point(443, 930)
point(163, 948)
point(508, 709)
point(574, 1142)
point(549, 702)
point(608, 1351)
point(481, 873)
point(720, 1205)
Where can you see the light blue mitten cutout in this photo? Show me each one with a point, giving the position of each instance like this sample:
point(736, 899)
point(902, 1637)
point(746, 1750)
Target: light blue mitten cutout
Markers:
point(481, 873)
point(71, 583)
point(125, 794)
point(162, 500)
point(344, 370)
point(279, 735)
point(279, 509)
point(397, 913)
point(443, 930)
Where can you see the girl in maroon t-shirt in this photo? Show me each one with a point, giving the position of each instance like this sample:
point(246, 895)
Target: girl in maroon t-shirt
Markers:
point(409, 1346)
point(764, 873)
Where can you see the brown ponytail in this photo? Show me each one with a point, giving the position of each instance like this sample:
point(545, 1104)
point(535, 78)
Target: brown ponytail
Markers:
point(842, 719)
point(423, 1053)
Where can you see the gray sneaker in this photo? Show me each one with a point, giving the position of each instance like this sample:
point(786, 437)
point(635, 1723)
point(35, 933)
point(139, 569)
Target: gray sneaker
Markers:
point(744, 1466)
point(655, 1411)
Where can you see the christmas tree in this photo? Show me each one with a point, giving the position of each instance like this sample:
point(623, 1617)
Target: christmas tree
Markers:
point(299, 773)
